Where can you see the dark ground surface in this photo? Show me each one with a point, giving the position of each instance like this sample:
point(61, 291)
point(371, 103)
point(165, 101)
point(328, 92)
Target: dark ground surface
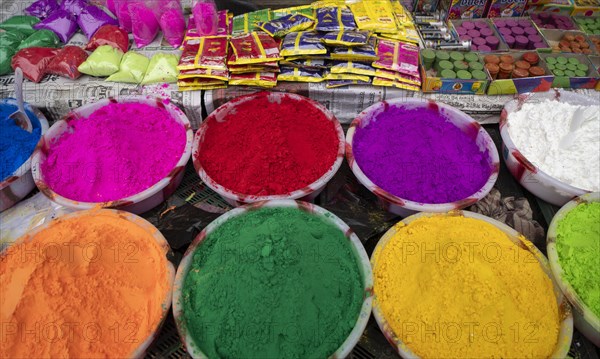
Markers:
point(180, 221)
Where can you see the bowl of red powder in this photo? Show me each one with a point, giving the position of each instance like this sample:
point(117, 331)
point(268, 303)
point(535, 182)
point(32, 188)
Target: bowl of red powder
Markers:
point(268, 145)
point(420, 155)
point(128, 153)
point(273, 279)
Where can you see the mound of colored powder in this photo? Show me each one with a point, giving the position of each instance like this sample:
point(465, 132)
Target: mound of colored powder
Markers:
point(272, 283)
point(16, 144)
point(269, 148)
point(418, 155)
point(119, 150)
point(85, 287)
point(456, 287)
point(578, 247)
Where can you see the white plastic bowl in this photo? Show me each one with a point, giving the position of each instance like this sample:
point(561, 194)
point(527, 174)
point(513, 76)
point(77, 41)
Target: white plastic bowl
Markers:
point(139, 202)
point(586, 321)
point(536, 181)
point(357, 248)
point(405, 207)
point(565, 316)
point(15, 187)
point(234, 198)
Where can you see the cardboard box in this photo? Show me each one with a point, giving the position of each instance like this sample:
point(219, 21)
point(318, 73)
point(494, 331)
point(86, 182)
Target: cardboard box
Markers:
point(522, 85)
point(506, 8)
point(554, 36)
point(586, 8)
point(456, 23)
point(563, 7)
point(467, 9)
point(587, 82)
point(433, 83)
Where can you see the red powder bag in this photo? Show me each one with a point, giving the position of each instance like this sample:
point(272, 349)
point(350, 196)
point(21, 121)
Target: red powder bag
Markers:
point(212, 53)
point(254, 47)
point(33, 61)
point(188, 55)
point(109, 35)
point(66, 62)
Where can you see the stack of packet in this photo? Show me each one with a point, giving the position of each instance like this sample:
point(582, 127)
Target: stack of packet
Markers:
point(398, 65)
point(253, 60)
point(245, 23)
point(388, 18)
point(203, 62)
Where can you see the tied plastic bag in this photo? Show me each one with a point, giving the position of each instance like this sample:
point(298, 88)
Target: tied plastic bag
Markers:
point(42, 8)
point(144, 24)
point(73, 6)
point(104, 61)
point(33, 61)
point(6, 54)
point(41, 38)
point(109, 35)
point(162, 69)
point(92, 18)
point(11, 39)
point(122, 12)
point(61, 23)
point(66, 62)
point(132, 68)
point(172, 24)
point(21, 23)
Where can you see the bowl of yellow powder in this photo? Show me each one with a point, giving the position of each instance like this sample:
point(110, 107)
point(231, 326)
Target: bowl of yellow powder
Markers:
point(91, 284)
point(573, 246)
point(463, 285)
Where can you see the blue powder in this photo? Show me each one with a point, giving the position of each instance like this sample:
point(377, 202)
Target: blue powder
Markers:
point(16, 144)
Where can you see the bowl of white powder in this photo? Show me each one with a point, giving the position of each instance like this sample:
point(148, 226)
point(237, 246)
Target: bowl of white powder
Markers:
point(544, 153)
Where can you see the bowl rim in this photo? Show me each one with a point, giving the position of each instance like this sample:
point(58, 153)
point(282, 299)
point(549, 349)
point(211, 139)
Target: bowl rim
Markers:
point(155, 101)
point(507, 141)
point(232, 195)
point(551, 238)
point(493, 157)
point(360, 254)
point(26, 166)
point(565, 334)
point(151, 230)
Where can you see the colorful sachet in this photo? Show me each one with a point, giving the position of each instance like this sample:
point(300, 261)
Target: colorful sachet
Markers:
point(398, 56)
point(346, 76)
point(222, 75)
point(248, 22)
point(365, 53)
point(262, 67)
point(309, 64)
point(286, 24)
point(192, 84)
point(346, 38)
point(349, 67)
point(299, 74)
point(302, 43)
point(374, 15)
point(261, 79)
point(379, 81)
point(342, 83)
point(303, 9)
point(212, 53)
point(252, 48)
point(334, 18)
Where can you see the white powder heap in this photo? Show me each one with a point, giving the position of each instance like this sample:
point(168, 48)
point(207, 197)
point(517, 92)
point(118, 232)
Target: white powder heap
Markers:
point(537, 130)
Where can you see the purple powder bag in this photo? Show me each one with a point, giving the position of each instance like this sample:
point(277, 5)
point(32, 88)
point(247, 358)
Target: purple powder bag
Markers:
point(74, 7)
point(61, 22)
point(92, 18)
point(42, 8)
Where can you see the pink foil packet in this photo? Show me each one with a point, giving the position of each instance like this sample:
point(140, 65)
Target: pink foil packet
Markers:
point(398, 56)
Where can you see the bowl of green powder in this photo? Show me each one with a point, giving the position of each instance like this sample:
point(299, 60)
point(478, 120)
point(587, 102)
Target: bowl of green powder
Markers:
point(273, 279)
point(573, 246)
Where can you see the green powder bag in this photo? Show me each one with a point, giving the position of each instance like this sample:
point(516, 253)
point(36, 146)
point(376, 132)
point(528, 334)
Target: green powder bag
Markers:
point(40, 38)
point(104, 61)
point(20, 23)
point(12, 39)
point(6, 54)
point(162, 69)
point(132, 68)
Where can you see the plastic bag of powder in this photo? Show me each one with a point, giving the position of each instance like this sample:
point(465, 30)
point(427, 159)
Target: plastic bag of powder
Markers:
point(132, 68)
point(20, 23)
point(61, 22)
point(122, 12)
point(104, 61)
point(162, 69)
point(109, 35)
point(111, 6)
point(144, 24)
point(73, 6)
point(41, 38)
point(172, 24)
point(92, 18)
point(42, 8)
point(11, 39)
point(6, 54)
point(66, 62)
point(33, 61)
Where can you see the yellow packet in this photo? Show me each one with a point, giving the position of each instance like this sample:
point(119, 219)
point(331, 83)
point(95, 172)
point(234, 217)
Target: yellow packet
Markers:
point(261, 79)
point(378, 81)
point(304, 10)
point(349, 67)
point(302, 43)
point(342, 83)
point(299, 75)
point(198, 88)
point(332, 76)
point(222, 75)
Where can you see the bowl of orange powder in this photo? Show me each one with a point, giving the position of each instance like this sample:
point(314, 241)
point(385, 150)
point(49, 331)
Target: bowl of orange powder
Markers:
point(463, 285)
point(89, 284)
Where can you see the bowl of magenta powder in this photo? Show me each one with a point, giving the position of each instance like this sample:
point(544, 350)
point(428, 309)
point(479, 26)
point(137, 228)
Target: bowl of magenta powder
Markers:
point(420, 155)
point(268, 145)
point(128, 153)
point(16, 147)
point(273, 279)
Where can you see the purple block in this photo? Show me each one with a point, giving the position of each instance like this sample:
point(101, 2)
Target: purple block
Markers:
point(535, 38)
point(530, 31)
point(461, 31)
point(468, 25)
point(465, 38)
point(505, 31)
point(549, 26)
point(524, 22)
point(539, 45)
point(484, 48)
point(535, 16)
point(492, 42)
point(544, 16)
point(481, 25)
point(486, 32)
point(521, 42)
point(510, 41)
point(500, 23)
point(511, 23)
point(474, 48)
point(473, 33)
point(479, 41)
point(538, 22)
point(517, 31)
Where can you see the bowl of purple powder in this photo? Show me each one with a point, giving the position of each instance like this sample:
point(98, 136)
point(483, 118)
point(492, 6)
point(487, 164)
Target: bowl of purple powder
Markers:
point(418, 155)
point(16, 148)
